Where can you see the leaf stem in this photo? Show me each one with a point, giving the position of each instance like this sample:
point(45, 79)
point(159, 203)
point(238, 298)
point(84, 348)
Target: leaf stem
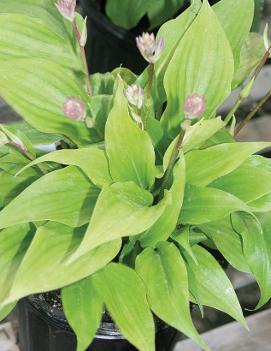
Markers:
point(150, 82)
point(84, 58)
point(241, 98)
point(252, 113)
point(171, 163)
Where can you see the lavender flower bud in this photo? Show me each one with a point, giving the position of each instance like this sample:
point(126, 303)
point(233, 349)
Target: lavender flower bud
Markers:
point(74, 108)
point(67, 8)
point(149, 47)
point(194, 106)
point(135, 95)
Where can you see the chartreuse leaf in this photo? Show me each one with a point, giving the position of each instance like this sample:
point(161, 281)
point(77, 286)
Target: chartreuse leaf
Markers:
point(164, 274)
point(83, 309)
point(92, 161)
point(200, 132)
point(23, 36)
point(228, 242)
point(14, 242)
point(203, 205)
point(100, 106)
point(265, 221)
point(251, 55)
point(181, 237)
point(263, 204)
point(204, 166)
point(229, 13)
point(248, 182)
point(128, 212)
point(52, 245)
point(124, 295)
point(165, 225)
point(41, 90)
point(41, 9)
point(210, 284)
point(5, 311)
point(172, 32)
point(129, 148)
point(65, 196)
point(256, 251)
point(199, 59)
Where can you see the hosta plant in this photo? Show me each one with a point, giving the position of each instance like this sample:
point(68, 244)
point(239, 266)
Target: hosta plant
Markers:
point(146, 179)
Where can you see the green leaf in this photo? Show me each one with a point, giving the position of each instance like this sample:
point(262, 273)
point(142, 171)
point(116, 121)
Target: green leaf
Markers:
point(41, 9)
point(83, 309)
point(100, 106)
point(229, 13)
point(172, 32)
point(228, 242)
point(200, 132)
point(256, 251)
point(129, 149)
point(262, 204)
point(204, 166)
point(210, 284)
point(25, 37)
point(203, 205)
point(41, 90)
point(5, 311)
point(247, 182)
point(160, 11)
point(199, 59)
point(165, 225)
point(181, 237)
point(122, 209)
point(126, 13)
point(64, 196)
point(124, 295)
point(92, 161)
point(102, 83)
point(47, 256)
point(14, 242)
point(164, 274)
point(251, 55)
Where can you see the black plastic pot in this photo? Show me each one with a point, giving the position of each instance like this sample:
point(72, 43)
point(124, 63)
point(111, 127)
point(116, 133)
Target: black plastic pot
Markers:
point(42, 330)
point(109, 46)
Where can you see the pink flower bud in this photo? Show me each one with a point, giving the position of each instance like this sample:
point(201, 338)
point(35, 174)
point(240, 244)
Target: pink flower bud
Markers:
point(135, 95)
point(67, 8)
point(74, 108)
point(194, 106)
point(149, 47)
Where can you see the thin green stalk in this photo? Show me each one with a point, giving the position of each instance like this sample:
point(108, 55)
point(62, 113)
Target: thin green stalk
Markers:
point(84, 59)
point(151, 78)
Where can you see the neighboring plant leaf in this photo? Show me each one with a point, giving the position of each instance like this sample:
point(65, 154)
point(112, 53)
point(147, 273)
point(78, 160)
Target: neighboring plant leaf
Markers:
point(211, 285)
point(204, 166)
point(262, 204)
point(203, 205)
point(5, 311)
point(49, 251)
point(124, 295)
point(83, 309)
point(41, 90)
point(229, 13)
point(102, 83)
point(256, 251)
point(64, 196)
point(126, 13)
point(165, 225)
point(258, 14)
point(161, 10)
point(164, 274)
point(14, 242)
point(122, 209)
point(100, 106)
point(204, 54)
point(251, 55)
point(92, 161)
point(129, 149)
